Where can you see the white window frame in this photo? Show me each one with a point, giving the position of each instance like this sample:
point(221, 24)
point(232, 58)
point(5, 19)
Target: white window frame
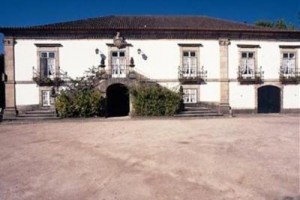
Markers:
point(50, 57)
point(189, 63)
point(46, 98)
point(44, 48)
point(190, 95)
point(118, 64)
point(248, 63)
point(189, 70)
point(289, 65)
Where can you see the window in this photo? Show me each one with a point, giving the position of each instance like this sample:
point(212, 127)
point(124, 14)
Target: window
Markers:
point(288, 63)
point(247, 64)
point(118, 61)
point(46, 98)
point(189, 64)
point(190, 95)
point(47, 64)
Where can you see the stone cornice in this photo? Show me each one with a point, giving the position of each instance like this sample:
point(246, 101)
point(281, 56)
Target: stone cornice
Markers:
point(9, 41)
point(224, 42)
point(190, 45)
point(48, 45)
point(289, 46)
point(248, 46)
point(157, 33)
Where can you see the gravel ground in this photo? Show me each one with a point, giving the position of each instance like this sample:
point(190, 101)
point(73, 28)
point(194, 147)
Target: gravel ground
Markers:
point(151, 159)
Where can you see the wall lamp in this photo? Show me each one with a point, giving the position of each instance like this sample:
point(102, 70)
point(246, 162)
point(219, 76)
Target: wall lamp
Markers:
point(140, 52)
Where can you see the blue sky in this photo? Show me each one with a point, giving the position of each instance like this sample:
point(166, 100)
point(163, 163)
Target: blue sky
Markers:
point(33, 12)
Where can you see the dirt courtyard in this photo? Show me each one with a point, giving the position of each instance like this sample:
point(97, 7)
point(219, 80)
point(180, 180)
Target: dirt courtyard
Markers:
point(151, 159)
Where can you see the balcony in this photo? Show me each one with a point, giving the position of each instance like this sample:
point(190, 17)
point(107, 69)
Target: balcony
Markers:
point(249, 76)
point(51, 80)
point(289, 75)
point(191, 75)
point(117, 73)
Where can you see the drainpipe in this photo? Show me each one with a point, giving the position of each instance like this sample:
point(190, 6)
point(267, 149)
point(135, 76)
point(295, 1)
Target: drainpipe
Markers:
point(230, 112)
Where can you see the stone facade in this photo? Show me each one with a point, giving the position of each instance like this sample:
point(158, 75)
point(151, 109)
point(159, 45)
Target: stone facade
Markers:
point(224, 79)
point(9, 69)
point(158, 56)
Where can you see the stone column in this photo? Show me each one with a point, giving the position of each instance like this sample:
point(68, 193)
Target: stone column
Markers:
point(9, 70)
point(224, 81)
point(131, 108)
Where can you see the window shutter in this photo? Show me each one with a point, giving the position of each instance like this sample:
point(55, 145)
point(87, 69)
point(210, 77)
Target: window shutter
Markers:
point(122, 61)
point(193, 64)
point(43, 67)
point(284, 63)
point(244, 65)
point(122, 65)
point(51, 66)
point(251, 65)
point(292, 63)
point(185, 65)
point(114, 61)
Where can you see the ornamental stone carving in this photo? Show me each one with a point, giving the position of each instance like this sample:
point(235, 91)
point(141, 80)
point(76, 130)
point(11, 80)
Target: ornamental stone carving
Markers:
point(8, 41)
point(224, 42)
point(119, 42)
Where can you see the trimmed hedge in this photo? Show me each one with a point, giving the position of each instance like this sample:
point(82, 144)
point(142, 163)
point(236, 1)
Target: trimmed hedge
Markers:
point(155, 101)
point(80, 103)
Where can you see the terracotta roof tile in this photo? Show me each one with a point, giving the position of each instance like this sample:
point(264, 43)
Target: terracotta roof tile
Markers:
point(151, 27)
point(154, 22)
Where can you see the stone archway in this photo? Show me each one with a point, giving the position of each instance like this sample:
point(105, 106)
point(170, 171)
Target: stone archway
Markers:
point(269, 99)
point(117, 100)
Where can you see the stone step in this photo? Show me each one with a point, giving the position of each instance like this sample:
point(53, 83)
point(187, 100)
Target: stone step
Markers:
point(31, 118)
point(196, 108)
point(197, 111)
point(38, 115)
point(212, 114)
point(40, 112)
point(192, 105)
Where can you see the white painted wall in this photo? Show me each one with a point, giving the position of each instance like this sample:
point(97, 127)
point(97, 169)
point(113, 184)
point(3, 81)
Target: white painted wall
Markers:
point(76, 56)
point(27, 94)
point(25, 59)
point(210, 58)
point(268, 57)
point(174, 86)
point(241, 96)
point(291, 96)
point(210, 92)
point(163, 59)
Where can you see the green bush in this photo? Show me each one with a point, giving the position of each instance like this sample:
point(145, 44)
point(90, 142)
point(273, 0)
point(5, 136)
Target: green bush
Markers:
point(81, 98)
point(80, 103)
point(155, 101)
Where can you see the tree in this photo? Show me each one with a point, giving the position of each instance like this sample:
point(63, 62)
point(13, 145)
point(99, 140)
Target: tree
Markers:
point(279, 24)
point(264, 23)
point(81, 97)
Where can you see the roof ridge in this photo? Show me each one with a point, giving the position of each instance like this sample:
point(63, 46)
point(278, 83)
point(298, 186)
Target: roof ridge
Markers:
point(152, 21)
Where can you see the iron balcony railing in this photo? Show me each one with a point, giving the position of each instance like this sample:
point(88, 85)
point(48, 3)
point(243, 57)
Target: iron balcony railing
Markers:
point(57, 79)
point(191, 75)
point(289, 75)
point(250, 76)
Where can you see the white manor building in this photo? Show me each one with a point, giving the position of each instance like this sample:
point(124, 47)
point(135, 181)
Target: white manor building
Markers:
point(218, 63)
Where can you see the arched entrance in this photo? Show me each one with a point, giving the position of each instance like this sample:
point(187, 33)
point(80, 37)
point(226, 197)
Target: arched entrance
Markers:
point(268, 99)
point(117, 100)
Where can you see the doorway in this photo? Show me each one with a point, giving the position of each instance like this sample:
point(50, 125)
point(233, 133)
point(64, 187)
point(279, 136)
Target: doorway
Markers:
point(269, 99)
point(117, 101)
